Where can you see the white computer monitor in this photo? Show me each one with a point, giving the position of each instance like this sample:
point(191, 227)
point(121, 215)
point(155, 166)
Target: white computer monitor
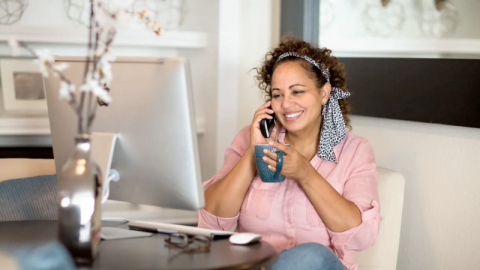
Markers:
point(153, 118)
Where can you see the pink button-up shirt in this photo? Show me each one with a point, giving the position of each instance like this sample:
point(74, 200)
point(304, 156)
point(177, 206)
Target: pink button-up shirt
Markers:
point(283, 214)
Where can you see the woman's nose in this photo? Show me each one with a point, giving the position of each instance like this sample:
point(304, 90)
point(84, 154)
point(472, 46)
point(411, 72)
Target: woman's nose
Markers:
point(287, 102)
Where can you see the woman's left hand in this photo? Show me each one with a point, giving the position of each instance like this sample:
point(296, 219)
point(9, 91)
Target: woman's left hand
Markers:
point(295, 165)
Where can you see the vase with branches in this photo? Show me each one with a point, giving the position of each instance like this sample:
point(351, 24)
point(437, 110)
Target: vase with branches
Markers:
point(79, 180)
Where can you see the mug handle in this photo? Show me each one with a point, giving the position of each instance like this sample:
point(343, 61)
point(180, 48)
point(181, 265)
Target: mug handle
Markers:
point(279, 167)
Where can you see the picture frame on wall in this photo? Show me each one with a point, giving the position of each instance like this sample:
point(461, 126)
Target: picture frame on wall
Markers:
point(22, 87)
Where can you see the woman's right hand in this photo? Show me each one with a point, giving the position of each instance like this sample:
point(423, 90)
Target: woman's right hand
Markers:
point(256, 136)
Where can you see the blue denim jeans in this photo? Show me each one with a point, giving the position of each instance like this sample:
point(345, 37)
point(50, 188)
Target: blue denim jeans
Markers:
point(309, 256)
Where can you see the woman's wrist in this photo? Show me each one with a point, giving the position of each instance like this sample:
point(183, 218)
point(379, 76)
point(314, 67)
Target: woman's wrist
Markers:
point(310, 175)
point(251, 154)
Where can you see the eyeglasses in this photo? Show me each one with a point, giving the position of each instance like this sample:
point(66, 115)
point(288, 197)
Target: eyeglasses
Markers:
point(188, 243)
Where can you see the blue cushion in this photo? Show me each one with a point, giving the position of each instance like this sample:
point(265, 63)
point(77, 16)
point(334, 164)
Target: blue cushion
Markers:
point(32, 198)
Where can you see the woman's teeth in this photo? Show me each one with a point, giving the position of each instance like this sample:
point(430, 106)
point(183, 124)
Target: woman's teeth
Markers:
point(293, 115)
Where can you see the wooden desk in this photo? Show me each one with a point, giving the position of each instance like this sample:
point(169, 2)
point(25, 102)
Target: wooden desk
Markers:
point(147, 252)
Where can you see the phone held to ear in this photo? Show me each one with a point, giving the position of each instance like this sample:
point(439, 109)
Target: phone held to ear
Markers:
point(266, 125)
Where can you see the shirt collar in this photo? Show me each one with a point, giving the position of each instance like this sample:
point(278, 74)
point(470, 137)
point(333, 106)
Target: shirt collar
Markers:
point(281, 139)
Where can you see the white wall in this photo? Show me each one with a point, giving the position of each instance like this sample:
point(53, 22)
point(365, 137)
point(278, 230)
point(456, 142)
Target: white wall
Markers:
point(256, 40)
point(441, 214)
point(203, 16)
point(260, 33)
point(229, 28)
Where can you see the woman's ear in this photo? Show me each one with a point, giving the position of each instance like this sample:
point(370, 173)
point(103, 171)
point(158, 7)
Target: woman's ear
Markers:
point(325, 92)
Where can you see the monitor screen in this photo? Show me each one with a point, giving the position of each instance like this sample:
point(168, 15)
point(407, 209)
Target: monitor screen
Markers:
point(152, 114)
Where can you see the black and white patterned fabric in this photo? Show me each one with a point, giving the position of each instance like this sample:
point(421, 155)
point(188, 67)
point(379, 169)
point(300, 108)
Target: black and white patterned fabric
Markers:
point(334, 129)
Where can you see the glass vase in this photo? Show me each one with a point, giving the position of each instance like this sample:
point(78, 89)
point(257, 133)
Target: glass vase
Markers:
point(79, 196)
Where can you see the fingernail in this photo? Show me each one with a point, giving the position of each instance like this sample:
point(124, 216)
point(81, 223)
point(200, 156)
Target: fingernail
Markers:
point(271, 143)
point(265, 151)
point(264, 158)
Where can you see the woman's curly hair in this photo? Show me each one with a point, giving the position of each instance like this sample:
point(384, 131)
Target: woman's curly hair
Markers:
point(320, 55)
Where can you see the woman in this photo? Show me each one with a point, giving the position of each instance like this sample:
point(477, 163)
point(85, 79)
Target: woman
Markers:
point(328, 206)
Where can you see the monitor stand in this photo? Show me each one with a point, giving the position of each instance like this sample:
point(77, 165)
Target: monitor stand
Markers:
point(103, 145)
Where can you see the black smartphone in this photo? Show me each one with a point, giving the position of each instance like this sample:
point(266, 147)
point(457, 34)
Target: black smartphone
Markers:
point(266, 125)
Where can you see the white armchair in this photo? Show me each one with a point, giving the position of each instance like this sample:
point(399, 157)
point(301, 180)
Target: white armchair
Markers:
point(383, 255)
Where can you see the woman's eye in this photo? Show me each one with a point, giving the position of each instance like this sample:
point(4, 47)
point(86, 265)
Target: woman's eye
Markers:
point(298, 92)
point(276, 96)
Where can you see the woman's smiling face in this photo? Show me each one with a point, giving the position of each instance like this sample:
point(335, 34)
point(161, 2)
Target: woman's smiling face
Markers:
point(296, 99)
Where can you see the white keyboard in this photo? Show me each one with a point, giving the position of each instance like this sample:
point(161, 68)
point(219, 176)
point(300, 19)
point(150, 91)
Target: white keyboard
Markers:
point(171, 228)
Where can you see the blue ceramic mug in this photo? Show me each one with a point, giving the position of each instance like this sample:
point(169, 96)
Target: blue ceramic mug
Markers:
point(266, 175)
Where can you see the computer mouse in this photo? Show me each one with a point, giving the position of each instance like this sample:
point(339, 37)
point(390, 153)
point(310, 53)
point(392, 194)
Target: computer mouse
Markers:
point(244, 238)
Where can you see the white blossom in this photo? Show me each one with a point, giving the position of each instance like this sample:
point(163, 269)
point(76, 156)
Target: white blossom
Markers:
point(96, 76)
point(100, 49)
point(109, 56)
point(14, 45)
point(44, 58)
point(60, 67)
point(66, 90)
point(104, 19)
point(85, 88)
point(94, 87)
point(102, 94)
point(156, 28)
point(151, 25)
point(89, 85)
point(45, 55)
point(105, 68)
point(148, 14)
point(123, 17)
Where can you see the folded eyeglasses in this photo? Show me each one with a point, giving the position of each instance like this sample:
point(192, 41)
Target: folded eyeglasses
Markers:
point(188, 243)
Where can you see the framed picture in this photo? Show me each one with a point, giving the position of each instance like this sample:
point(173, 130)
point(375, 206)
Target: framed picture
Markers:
point(22, 86)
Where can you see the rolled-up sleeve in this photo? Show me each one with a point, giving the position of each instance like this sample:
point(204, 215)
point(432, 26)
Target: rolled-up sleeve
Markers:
point(210, 221)
point(361, 188)
point(233, 154)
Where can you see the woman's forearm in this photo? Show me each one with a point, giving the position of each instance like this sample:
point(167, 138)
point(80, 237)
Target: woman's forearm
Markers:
point(338, 213)
point(224, 198)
